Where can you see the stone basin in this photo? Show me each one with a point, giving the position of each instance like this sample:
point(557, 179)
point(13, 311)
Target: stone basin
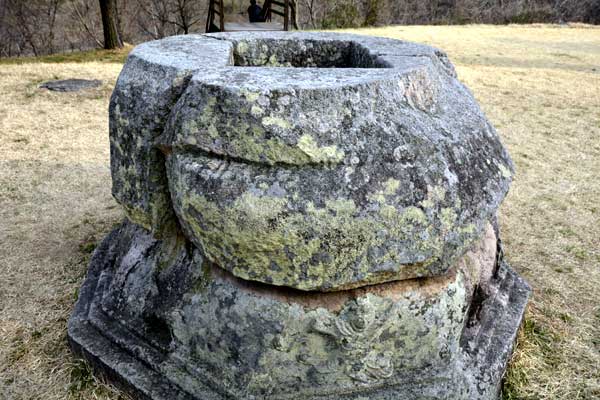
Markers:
point(310, 216)
point(314, 161)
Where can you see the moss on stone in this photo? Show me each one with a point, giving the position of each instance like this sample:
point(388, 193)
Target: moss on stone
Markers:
point(367, 340)
point(262, 238)
point(138, 215)
point(276, 121)
point(319, 154)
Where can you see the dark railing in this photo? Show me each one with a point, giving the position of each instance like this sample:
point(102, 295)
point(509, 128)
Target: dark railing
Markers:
point(284, 8)
point(215, 7)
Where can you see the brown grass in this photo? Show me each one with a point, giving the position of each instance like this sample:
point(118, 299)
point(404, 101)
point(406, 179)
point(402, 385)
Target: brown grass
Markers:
point(95, 55)
point(540, 86)
point(55, 204)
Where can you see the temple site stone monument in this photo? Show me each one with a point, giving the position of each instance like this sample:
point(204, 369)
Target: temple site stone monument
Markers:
point(309, 216)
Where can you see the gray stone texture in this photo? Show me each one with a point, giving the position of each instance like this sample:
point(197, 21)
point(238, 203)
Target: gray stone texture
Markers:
point(154, 77)
point(317, 161)
point(310, 216)
point(178, 327)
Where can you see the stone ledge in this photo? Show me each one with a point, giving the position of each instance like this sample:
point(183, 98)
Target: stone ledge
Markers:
point(125, 357)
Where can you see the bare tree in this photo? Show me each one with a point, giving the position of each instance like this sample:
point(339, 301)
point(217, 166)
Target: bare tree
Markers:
point(38, 27)
point(187, 14)
point(108, 9)
point(153, 18)
point(310, 8)
point(81, 13)
point(29, 25)
point(5, 40)
point(372, 9)
point(160, 18)
point(22, 16)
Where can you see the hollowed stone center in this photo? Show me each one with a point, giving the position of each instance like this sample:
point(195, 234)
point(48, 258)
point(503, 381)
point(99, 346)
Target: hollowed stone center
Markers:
point(297, 53)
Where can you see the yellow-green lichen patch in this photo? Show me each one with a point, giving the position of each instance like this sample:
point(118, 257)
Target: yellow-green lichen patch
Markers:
point(127, 176)
point(255, 147)
point(270, 151)
point(241, 48)
point(256, 110)
point(276, 121)
point(391, 185)
point(249, 139)
point(250, 95)
point(370, 338)
point(319, 154)
point(448, 217)
point(191, 128)
point(138, 215)
point(121, 120)
point(264, 238)
point(389, 189)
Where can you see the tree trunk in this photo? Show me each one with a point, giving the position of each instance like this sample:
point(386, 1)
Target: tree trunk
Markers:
point(109, 24)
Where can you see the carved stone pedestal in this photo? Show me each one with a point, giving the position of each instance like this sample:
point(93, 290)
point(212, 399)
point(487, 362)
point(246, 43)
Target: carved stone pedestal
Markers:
point(188, 330)
point(310, 216)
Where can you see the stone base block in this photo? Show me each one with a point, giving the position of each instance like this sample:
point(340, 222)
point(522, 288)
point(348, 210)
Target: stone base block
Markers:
point(160, 320)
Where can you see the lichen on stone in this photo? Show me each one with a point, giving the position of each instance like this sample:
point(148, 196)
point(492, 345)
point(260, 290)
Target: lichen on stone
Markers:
point(309, 217)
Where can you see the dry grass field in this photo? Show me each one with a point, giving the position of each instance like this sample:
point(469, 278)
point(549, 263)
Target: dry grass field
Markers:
point(540, 86)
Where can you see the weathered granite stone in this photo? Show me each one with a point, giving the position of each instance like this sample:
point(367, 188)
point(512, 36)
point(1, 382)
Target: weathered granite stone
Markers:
point(360, 160)
point(70, 85)
point(171, 325)
point(308, 218)
point(153, 78)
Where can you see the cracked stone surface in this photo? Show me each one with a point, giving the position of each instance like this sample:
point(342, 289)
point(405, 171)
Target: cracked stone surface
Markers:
point(314, 161)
